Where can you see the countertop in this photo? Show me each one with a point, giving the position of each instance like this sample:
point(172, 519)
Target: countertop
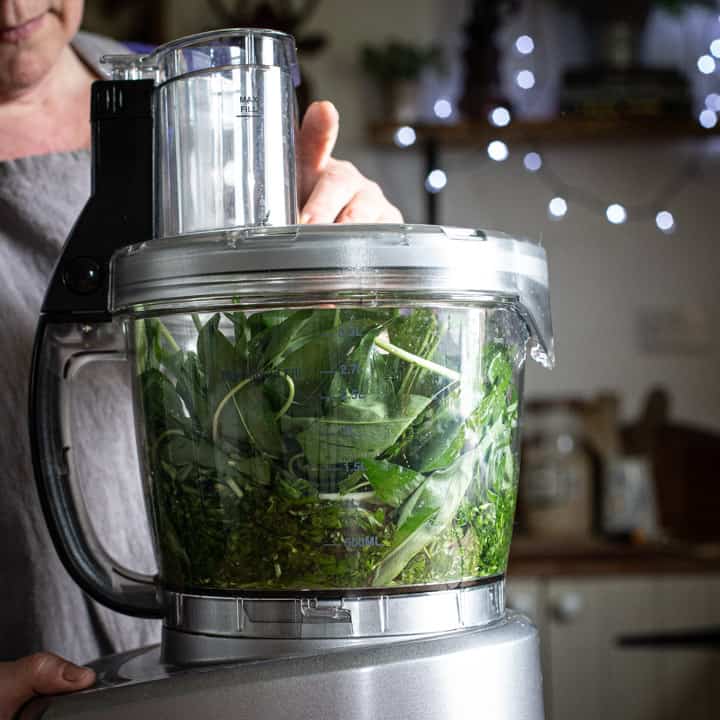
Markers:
point(533, 557)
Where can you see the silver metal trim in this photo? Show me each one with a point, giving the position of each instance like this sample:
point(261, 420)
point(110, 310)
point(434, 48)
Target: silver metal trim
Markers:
point(344, 617)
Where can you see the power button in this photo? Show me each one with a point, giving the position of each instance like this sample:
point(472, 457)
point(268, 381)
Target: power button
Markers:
point(82, 275)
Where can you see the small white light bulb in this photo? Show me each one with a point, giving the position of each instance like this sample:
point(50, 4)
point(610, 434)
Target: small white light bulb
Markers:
point(435, 181)
point(500, 117)
point(712, 101)
point(443, 108)
point(665, 221)
point(525, 45)
point(532, 161)
point(708, 119)
point(498, 151)
point(525, 79)
point(616, 214)
point(715, 47)
point(706, 64)
point(405, 136)
point(557, 208)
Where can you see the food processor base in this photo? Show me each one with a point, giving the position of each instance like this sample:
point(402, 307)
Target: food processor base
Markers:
point(491, 672)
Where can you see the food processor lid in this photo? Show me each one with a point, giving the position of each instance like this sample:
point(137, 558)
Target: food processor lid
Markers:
point(247, 265)
point(222, 49)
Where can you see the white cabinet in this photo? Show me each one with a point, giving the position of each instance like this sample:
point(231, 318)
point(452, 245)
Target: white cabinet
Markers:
point(589, 677)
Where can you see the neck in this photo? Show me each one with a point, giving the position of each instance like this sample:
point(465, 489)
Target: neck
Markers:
point(50, 116)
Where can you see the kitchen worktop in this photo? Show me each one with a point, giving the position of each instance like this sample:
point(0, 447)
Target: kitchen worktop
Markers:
point(533, 557)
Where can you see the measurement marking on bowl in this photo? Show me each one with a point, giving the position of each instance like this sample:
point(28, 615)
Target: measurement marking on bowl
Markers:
point(343, 397)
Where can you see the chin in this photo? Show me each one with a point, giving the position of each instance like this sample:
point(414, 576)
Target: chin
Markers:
point(25, 64)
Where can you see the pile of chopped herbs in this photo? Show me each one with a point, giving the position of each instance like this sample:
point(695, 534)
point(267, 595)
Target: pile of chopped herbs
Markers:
point(327, 448)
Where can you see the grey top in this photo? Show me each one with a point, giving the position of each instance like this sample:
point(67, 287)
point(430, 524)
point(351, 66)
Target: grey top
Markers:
point(40, 606)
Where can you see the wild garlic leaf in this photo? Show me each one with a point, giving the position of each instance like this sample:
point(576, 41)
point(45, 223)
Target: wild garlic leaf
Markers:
point(313, 365)
point(434, 505)
point(281, 336)
point(417, 333)
point(218, 356)
point(246, 415)
point(354, 429)
point(364, 372)
point(242, 334)
point(438, 439)
point(191, 386)
point(181, 450)
point(392, 484)
point(162, 406)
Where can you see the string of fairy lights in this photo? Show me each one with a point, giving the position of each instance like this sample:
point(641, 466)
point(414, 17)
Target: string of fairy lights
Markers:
point(564, 194)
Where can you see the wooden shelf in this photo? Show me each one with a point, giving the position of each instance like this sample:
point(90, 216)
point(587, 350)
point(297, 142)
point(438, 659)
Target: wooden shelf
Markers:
point(561, 130)
point(548, 558)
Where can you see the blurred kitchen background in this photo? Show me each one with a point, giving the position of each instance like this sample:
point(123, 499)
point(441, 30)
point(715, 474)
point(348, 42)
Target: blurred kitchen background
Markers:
point(593, 128)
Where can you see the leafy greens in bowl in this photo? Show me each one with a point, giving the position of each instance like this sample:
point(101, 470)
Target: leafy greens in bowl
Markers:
point(331, 448)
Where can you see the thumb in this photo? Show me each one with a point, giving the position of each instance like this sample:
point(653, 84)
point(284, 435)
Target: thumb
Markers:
point(39, 674)
point(318, 134)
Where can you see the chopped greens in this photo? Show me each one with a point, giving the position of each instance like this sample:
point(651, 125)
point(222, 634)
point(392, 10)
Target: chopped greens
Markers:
point(329, 448)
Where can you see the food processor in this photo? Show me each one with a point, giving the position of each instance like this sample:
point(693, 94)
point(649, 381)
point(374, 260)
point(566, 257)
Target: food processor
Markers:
point(327, 416)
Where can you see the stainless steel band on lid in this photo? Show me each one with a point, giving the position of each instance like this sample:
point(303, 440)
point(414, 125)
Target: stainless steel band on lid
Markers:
point(254, 263)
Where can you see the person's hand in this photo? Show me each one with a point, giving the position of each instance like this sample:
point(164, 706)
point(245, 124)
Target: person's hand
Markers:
point(334, 190)
point(39, 674)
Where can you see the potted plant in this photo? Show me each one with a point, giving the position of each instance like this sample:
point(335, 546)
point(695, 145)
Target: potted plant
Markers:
point(397, 68)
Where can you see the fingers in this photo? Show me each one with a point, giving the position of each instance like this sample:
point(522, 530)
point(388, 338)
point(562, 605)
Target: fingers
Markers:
point(342, 194)
point(39, 674)
point(318, 134)
point(332, 192)
point(369, 205)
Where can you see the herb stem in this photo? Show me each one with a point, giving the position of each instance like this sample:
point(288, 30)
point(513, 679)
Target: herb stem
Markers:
point(167, 335)
point(290, 397)
point(354, 496)
point(221, 405)
point(197, 322)
point(292, 461)
point(417, 360)
point(363, 483)
point(163, 436)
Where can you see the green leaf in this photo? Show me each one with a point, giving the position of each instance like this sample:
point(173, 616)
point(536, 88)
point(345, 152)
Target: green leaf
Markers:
point(438, 438)
point(353, 430)
point(280, 336)
point(391, 483)
point(364, 372)
point(417, 333)
point(223, 366)
point(433, 507)
point(269, 318)
point(313, 365)
point(191, 387)
point(181, 450)
point(162, 407)
point(242, 334)
point(247, 415)
point(256, 468)
point(154, 345)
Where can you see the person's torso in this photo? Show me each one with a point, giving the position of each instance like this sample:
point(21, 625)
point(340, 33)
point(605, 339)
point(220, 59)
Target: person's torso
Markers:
point(41, 608)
